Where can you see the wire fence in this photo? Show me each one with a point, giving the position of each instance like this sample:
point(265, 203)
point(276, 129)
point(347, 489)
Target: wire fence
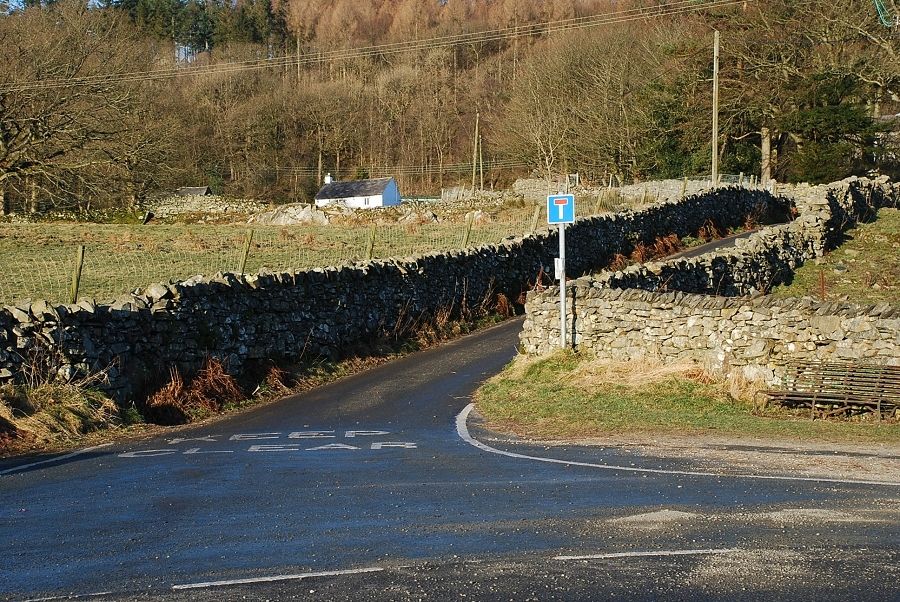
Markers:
point(111, 268)
point(38, 261)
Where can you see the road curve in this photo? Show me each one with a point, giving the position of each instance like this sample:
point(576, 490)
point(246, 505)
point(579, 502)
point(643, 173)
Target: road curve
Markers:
point(364, 490)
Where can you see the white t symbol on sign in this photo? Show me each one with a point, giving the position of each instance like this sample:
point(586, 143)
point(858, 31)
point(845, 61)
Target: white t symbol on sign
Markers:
point(561, 204)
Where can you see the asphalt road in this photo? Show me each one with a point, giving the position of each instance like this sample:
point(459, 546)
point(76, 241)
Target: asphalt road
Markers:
point(383, 487)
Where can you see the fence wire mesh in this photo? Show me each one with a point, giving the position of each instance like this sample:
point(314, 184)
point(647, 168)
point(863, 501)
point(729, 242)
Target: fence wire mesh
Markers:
point(37, 260)
point(120, 262)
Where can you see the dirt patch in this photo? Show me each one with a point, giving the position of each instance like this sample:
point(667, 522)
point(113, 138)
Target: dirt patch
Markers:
point(658, 520)
point(720, 573)
point(868, 462)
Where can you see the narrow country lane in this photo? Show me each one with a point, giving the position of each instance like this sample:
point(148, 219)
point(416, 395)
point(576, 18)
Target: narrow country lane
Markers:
point(365, 489)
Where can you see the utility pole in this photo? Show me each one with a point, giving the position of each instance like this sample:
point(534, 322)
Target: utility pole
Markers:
point(475, 152)
point(715, 119)
point(481, 161)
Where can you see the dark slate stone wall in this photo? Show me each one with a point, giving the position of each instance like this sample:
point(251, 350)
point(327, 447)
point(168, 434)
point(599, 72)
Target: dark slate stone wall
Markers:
point(326, 311)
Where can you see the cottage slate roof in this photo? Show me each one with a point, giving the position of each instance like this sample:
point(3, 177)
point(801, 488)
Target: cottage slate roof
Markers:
point(345, 190)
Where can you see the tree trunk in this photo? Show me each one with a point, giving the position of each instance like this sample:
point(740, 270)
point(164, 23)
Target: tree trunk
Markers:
point(4, 202)
point(33, 197)
point(765, 148)
point(319, 168)
point(298, 60)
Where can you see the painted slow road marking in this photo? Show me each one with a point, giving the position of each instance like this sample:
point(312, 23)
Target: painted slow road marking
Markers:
point(297, 577)
point(463, 431)
point(56, 459)
point(649, 554)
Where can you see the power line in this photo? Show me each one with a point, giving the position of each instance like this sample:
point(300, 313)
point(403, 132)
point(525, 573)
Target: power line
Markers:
point(411, 170)
point(675, 8)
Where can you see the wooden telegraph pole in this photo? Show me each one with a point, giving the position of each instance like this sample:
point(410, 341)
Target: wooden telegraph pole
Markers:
point(475, 152)
point(715, 117)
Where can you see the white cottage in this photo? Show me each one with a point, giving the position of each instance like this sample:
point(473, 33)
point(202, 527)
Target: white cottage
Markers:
point(359, 194)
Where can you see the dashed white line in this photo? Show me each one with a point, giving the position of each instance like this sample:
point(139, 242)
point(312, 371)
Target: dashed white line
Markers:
point(656, 553)
point(296, 577)
point(56, 459)
point(463, 431)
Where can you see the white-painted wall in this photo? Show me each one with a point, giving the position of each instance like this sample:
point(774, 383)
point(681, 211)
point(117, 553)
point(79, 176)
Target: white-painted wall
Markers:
point(390, 198)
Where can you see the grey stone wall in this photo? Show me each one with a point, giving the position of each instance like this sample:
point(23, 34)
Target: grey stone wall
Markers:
point(753, 334)
point(324, 311)
point(655, 316)
point(178, 205)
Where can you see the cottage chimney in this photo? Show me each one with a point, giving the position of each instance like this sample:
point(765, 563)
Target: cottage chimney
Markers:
point(328, 178)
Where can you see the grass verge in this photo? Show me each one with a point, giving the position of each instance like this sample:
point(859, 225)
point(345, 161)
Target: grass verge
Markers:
point(864, 269)
point(571, 396)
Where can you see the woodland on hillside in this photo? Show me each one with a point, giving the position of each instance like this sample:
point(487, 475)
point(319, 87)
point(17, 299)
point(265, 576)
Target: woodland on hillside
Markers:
point(102, 105)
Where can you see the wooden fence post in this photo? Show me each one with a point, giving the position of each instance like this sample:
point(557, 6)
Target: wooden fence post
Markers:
point(598, 206)
point(684, 187)
point(470, 219)
point(534, 219)
point(76, 275)
point(370, 245)
point(248, 240)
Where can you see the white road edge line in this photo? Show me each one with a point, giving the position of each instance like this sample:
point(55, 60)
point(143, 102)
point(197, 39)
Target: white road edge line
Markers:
point(56, 459)
point(296, 577)
point(69, 597)
point(639, 554)
point(463, 431)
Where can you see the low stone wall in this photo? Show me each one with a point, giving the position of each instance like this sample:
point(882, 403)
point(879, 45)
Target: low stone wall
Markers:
point(755, 335)
point(323, 311)
point(205, 204)
point(656, 318)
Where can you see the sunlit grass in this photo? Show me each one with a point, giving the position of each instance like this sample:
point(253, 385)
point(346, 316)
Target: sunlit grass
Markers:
point(864, 269)
point(568, 395)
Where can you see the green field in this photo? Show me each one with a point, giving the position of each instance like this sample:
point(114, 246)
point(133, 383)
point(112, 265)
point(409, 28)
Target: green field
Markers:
point(37, 259)
point(865, 268)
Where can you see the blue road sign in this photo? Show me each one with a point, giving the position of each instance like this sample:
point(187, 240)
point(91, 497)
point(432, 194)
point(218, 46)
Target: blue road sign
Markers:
point(561, 209)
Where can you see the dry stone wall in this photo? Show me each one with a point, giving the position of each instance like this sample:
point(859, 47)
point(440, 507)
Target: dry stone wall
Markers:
point(709, 308)
point(243, 318)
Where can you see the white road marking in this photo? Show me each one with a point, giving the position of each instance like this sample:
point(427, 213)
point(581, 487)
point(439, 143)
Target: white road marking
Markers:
point(196, 450)
point(463, 432)
point(69, 596)
point(400, 444)
point(254, 436)
point(296, 577)
point(56, 459)
point(206, 438)
point(311, 435)
point(365, 433)
point(657, 553)
point(148, 453)
point(332, 446)
point(273, 448)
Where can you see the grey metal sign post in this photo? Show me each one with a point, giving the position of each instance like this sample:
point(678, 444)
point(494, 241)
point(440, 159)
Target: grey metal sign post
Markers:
point(561, 211)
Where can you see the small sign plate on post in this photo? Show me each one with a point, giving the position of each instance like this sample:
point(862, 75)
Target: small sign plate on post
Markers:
point(561, 209)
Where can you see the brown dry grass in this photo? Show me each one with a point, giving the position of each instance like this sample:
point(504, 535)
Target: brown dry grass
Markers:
point(47, 412)
point(207, 393)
